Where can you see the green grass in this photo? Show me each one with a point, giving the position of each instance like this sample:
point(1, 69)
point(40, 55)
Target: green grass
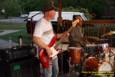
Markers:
point(14, 36)
point(12, 26)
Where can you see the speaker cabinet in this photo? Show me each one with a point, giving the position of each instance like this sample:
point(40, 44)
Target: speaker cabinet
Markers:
point(28, 67)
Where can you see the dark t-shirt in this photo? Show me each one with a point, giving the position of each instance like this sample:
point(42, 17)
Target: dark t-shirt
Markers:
point(76, 36)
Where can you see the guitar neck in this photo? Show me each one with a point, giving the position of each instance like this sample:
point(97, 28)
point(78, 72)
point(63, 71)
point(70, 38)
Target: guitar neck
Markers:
point(64, 37)
point(74, 23)
point(69, 30)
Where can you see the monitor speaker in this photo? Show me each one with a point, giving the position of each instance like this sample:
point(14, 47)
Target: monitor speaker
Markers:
point(23, 68)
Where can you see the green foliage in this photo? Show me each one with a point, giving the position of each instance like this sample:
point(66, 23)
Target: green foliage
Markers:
point(94, 6)
point(31, 5)
point(15, 7)
point(12, 8)
point(79, 9)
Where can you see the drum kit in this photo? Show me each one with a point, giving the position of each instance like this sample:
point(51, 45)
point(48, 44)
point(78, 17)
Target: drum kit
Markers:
point(96, 59)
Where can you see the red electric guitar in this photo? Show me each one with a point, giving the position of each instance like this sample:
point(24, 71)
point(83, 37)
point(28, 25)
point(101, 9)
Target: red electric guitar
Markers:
point(44, 59)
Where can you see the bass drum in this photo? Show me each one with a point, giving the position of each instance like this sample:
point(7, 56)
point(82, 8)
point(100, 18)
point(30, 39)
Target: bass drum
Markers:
point(91, 64)
point(105, 67)
point(105, 70)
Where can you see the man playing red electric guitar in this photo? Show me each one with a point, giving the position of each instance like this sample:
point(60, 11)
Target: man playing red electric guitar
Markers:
point(42, 36)
point(45, 38)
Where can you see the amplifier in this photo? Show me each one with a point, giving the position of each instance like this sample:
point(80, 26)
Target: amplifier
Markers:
point(28, 67)
point(16, 53)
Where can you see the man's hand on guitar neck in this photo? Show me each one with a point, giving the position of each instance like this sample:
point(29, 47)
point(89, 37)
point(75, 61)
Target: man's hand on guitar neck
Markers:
point(66, 33)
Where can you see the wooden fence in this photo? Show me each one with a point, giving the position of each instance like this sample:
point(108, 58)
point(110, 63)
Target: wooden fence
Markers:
point(98, 27)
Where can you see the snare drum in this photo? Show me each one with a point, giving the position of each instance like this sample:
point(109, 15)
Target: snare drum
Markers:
point(75, 54)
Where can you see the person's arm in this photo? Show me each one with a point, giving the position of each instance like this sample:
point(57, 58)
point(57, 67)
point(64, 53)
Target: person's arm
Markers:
point(40, 43)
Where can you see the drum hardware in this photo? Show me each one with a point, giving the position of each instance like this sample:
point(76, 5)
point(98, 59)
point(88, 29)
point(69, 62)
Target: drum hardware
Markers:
point(112, 60)
point(104, 40)
point(111, 53)
point(102, 49)
point(101, 56)
point(91, 50)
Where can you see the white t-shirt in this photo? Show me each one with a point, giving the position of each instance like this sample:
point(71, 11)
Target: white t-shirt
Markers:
point(44, 30)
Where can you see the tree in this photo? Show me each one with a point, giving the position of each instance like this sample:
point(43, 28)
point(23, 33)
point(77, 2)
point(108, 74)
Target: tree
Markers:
point(31, 5)
point(24, 6)
point(93, 6)
point(11, 7)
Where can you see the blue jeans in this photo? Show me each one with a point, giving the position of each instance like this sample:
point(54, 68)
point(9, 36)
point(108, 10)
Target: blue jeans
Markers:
point(53, 69)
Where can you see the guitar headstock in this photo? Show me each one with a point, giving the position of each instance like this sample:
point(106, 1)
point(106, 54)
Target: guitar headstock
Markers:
point(75, 22)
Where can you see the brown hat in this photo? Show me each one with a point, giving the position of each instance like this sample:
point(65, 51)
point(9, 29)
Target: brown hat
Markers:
point(48, 8)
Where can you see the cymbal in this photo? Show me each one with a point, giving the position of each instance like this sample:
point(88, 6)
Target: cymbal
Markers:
point(108, 34)
point(89, 39)
point(93, 39)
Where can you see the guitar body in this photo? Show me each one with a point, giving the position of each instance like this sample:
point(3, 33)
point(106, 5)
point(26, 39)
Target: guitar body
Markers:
point(44, 59)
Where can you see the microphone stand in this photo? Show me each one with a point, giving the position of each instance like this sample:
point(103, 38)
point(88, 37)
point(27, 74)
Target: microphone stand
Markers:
point(31, 25)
